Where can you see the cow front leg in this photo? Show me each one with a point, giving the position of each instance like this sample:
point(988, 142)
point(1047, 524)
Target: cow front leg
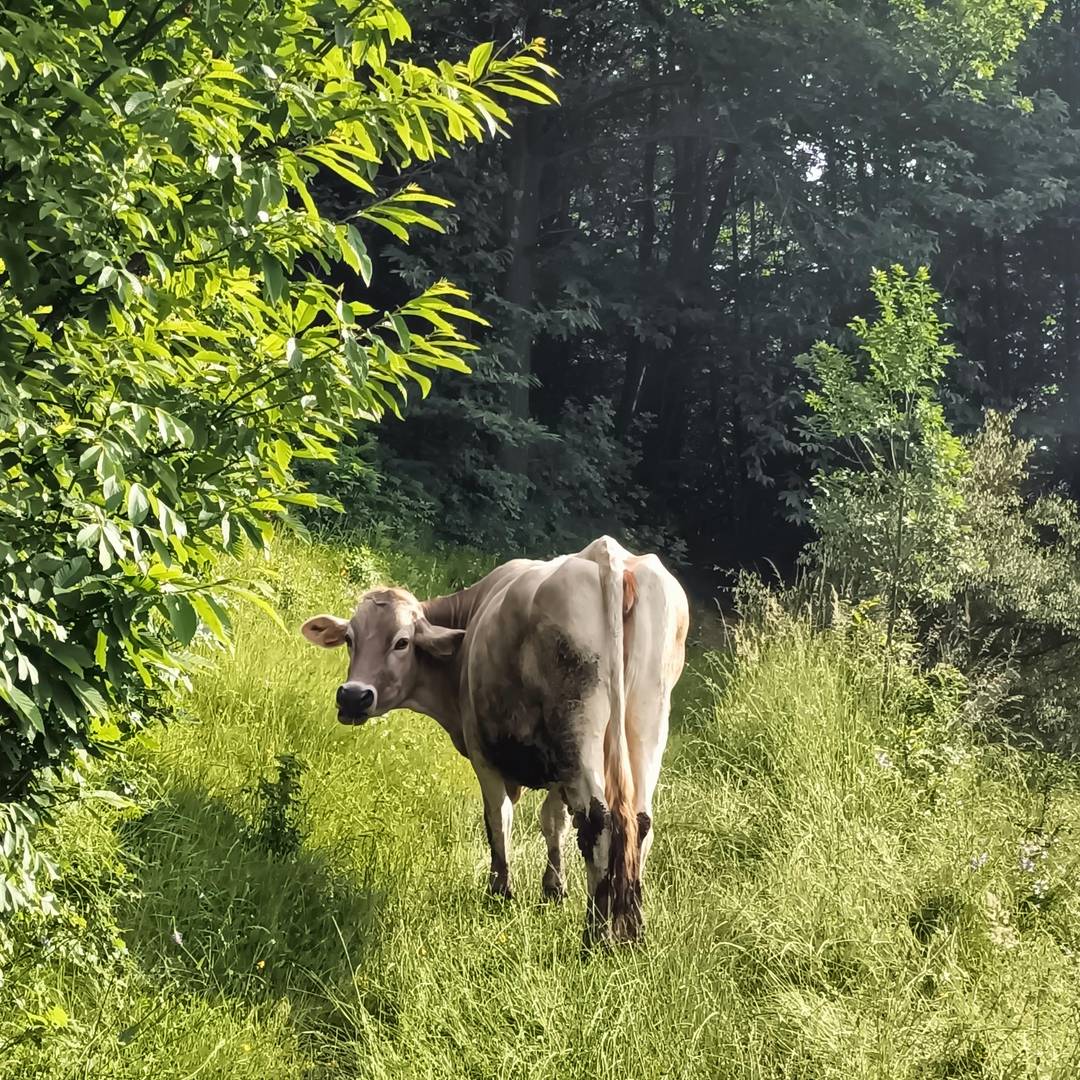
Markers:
point(554, 821)
point(498, 821)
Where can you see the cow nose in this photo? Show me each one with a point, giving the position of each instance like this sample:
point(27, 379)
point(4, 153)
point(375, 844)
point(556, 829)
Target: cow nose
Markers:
point(356, 699)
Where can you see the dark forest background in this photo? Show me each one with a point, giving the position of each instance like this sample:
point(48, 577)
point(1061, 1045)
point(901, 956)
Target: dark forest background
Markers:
point(708, 200)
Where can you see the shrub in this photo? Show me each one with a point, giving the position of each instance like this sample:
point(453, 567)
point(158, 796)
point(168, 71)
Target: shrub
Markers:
point(946, 530)
point(1015, 605)
point(886, 493)
point(168, 348)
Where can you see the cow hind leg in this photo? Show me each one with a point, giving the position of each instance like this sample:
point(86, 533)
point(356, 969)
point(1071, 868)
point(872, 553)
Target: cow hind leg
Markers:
point(598, 844)
point(554, 822)
point(498, 821)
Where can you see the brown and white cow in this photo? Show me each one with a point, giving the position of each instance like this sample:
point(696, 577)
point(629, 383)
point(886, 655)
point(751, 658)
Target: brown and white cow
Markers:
point(554, 675)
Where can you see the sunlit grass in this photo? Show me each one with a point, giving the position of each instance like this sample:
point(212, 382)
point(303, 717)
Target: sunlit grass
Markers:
point(814, 910)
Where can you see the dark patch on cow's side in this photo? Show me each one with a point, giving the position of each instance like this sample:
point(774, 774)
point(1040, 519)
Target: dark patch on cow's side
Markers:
point(530, 764)
point(644, 824)
point(589, 826)
point(528, 734)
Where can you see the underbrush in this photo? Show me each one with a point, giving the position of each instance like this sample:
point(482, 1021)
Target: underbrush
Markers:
point(846, 882)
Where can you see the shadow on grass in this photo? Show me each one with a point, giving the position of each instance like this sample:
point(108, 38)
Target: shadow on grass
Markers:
point(221, 917)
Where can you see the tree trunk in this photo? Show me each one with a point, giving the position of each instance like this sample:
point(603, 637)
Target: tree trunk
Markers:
point(521, 221)
point(635, 349)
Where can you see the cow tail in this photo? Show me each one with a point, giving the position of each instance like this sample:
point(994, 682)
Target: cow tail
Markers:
point(619, 594)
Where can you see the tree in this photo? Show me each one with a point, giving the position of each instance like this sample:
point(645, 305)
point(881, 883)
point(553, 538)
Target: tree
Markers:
point(707, 201)
point(887, 500)
point(172, 336)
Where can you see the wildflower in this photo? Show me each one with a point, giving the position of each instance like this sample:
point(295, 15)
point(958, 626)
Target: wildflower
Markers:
point(1030, 852)
point(261, 964)
point(177, 937)
point(883, 759)
point(1039, 888)
point(979, 861)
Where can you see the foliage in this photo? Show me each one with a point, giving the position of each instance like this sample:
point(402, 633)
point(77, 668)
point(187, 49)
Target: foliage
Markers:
point(1018, 603)
point(818, 908)
point(278, 826)
point(170, 341)
point(375, 495)
point(972, 37)
point(887, 494)
point(955, 532)
point(707, 202)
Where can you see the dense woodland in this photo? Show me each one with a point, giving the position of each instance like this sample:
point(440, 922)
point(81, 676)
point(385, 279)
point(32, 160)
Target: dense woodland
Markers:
point(706, 201)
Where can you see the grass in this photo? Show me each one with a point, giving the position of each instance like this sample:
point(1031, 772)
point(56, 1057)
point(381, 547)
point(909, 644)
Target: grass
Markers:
point(840, 887)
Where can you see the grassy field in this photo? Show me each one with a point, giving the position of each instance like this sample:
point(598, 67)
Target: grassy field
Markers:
point(839, 887)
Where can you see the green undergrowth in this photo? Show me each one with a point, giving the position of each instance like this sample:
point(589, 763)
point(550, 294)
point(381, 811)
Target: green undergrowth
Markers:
point(845, 883)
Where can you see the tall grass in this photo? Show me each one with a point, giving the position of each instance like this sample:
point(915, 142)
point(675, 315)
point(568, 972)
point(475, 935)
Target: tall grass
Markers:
point(845, 883)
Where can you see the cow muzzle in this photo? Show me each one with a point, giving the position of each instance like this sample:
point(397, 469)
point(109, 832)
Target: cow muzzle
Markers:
point(355, 702)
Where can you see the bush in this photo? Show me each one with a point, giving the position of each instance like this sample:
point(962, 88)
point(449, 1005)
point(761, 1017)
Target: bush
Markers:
point(169, 347)
point(1014, 607)
point(886, 491)
point(946, 532)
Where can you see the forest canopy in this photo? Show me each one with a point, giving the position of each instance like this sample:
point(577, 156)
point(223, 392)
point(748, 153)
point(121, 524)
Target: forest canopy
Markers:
point(710, 198)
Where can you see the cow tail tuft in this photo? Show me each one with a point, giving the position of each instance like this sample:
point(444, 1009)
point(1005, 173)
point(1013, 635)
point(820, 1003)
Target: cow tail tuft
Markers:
point(620, 592)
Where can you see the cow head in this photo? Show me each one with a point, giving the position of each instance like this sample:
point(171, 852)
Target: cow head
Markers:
point(389, 641)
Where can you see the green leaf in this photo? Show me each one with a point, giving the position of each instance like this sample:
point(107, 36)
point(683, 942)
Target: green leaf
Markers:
point(112, 799)
point(402, 331)
point(22, 705)
point(138, 505)
point(355, 253)
point(182, 618)
point(273, 278)
point(479, 59)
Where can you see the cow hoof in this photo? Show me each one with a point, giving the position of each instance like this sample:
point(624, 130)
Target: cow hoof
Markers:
point(552, 889)
point(593, 944)
point(500, 890)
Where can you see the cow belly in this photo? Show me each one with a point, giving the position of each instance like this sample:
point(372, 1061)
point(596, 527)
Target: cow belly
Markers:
point(528, 721)
point(530, 763)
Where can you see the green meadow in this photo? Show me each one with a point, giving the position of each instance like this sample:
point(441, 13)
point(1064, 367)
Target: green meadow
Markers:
point(848, 881)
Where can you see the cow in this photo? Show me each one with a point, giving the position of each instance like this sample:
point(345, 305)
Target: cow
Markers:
point(553, 675)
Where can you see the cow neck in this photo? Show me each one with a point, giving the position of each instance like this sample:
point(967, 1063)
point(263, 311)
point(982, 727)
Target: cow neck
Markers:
point(453, 611)
point(437, 694)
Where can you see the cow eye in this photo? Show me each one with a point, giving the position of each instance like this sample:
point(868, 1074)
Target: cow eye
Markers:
point(401, 643)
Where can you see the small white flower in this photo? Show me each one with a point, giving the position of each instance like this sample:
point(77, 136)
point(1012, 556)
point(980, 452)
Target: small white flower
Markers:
point(177, 937)
point(883, 759)
point(979, 861)
point(1030, 853)
point(1039, 888)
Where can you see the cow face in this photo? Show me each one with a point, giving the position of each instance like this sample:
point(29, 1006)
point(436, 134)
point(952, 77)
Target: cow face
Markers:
point(389, 641)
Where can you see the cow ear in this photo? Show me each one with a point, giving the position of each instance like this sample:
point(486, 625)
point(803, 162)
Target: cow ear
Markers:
point(438, 641)
point(325, 630)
